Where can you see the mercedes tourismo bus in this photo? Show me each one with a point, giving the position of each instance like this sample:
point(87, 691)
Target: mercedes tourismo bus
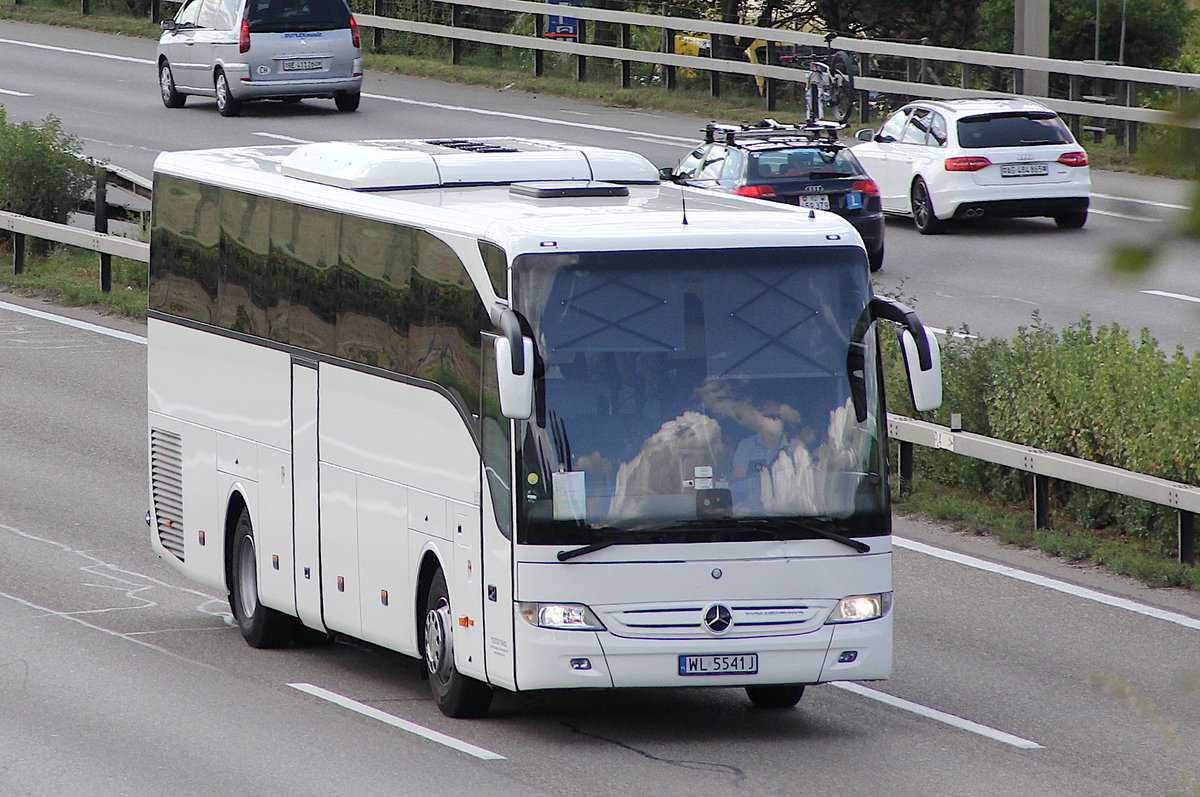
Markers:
point(518, 409)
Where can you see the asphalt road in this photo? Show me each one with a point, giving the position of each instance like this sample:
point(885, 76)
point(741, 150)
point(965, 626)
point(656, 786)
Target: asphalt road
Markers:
point(119, 678)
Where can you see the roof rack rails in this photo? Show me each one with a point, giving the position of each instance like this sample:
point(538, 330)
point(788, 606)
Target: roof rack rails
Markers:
point(768, 129)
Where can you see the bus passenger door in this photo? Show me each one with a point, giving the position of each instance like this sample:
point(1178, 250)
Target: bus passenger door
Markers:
point(306, 532)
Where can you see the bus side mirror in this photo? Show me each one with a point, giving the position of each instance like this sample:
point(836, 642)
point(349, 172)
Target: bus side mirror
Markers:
point(924, 385)
point(516, 389)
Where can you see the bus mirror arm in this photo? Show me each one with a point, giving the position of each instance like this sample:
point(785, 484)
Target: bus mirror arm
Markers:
point(514, 368)
point(510, 328)
point(892, 310)
point(922, 354)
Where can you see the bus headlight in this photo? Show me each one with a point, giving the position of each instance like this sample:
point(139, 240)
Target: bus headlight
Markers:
point(560, 616)
point(857, 608)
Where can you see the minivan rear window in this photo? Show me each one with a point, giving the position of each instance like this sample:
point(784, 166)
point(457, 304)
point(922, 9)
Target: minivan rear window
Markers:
point(277, 16)
point(1016, 129)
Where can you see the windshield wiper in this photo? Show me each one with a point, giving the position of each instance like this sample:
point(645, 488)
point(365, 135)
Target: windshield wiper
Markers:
point(571, 553)
point(817, 526)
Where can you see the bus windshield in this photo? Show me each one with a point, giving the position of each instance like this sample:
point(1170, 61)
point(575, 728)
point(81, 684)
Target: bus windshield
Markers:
point(698, 395)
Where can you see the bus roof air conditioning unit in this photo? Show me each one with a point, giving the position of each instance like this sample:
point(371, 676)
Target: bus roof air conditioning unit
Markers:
point(393, 165)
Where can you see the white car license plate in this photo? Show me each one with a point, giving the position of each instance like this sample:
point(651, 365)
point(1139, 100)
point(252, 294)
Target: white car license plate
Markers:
point(301, 65)
point(1024, 169)
point(722, 664)
point(818, 201)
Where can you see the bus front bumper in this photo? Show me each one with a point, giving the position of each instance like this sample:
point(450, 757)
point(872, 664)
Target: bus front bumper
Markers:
point(549, 659)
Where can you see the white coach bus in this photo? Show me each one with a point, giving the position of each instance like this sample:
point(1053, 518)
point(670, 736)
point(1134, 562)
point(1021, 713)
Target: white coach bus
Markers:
point(518, 409)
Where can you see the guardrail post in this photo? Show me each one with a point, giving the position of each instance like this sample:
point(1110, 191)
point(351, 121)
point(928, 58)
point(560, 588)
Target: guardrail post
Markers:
point(580, 60)
point(906, 467)
point(626, 66)
point(1041, 501)
point(668, 46)
point(770, 86)
point(1186, 536)
point(377, 33)
point(18, 252)
point(456, 45)
point(539, 56)
point(101, 216)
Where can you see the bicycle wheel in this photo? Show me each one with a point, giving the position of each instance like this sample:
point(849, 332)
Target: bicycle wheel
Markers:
point(841, 88)
point(812, 100)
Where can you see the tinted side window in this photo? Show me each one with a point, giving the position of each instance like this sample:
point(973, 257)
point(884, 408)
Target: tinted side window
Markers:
point(187, 14)
point(212, 15)
point(496, 261)
point(1012, 130)
point(895, 124)
point(691, 164)
point(714, 162)
point(937, 130)
point(917, 131)
point(184, 242)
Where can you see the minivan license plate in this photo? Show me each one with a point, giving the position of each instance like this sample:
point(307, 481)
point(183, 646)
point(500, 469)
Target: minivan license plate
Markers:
point(724, 664)
point(301, 65)
point(1024, 170)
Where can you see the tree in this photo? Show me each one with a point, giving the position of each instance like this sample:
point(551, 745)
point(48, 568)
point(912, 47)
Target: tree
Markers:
point(1155, 30)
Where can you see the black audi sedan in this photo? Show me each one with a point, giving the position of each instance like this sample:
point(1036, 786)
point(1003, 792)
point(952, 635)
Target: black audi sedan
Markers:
point(799, 165)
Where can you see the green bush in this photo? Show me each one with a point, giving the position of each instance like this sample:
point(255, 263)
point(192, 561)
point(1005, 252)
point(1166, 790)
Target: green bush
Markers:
point(42, 171)
point(1099, 394)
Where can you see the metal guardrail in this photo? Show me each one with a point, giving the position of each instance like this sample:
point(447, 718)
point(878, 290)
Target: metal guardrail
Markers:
point(98, 240)
point(1120, 107)
point(1044, 466)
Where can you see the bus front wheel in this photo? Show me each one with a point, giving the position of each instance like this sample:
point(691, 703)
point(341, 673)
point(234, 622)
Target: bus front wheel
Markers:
point(455, 694)
point(260, 626)
point(777, 696)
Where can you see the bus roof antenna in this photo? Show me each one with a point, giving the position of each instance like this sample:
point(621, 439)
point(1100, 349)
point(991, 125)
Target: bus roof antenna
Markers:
point(683, 204)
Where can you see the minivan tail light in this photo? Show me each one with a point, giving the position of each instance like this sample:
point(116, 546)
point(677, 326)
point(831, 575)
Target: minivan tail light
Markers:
point(971, 163)
point(1073, 159)
point(354, 32)
point(867, 187)
point(244, 37)
point(755, 191)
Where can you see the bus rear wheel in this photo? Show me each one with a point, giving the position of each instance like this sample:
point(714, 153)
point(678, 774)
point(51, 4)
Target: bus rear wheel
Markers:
point(777, 696)
point(455, 694)
point(261, 627)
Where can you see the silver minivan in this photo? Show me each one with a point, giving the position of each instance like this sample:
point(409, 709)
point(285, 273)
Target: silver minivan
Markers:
point(242, 50)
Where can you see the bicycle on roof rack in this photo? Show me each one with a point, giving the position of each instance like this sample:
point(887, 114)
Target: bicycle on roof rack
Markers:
point(829, 86)
point(769, 129)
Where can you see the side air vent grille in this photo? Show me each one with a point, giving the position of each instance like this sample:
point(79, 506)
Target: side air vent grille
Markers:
point(166, 487)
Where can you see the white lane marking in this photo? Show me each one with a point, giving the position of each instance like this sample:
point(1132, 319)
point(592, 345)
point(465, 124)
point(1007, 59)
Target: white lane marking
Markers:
point(1123, 216)
point(71, 322)
point(93, 54)
point(960, 335)
point(1050, 583)
point(1141, 201)
point(279, 137)
point(940, 716)
point(12, 93)
point(528, 118)
point(1169, 295)
point(397, 722)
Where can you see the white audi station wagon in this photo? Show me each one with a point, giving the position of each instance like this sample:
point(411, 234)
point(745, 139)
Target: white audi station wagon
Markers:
point(944, 160)
point(242, 50)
